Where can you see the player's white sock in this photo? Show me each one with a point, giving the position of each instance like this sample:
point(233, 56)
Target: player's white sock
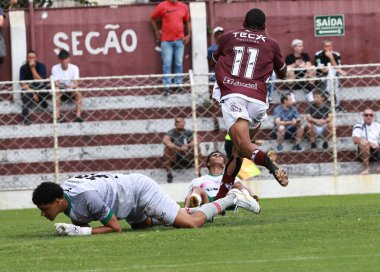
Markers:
point(216, 207)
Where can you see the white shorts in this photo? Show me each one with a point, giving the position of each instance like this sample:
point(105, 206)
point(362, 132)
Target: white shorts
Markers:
point(234, 108)
point(320, 131)
point(151, 201)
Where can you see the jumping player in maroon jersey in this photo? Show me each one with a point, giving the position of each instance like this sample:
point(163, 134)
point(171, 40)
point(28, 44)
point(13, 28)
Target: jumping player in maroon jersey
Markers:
point(245, 59)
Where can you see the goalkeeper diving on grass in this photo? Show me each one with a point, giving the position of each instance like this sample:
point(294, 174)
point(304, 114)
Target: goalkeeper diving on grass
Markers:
point(135, 198)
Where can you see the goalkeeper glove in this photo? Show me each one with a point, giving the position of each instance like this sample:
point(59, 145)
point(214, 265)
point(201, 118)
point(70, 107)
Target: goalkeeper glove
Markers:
point(71, 230)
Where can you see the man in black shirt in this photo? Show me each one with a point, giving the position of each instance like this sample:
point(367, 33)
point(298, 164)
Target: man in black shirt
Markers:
point(322, 59)
point(178, 150)
point(32, 70)
point(301, 62)
point(319, 119)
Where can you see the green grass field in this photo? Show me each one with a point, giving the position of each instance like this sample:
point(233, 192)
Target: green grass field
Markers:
point(333, 233)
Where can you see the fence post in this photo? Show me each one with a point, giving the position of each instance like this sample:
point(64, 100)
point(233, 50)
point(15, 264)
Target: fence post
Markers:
point(195, 126)
point(55, 130)
point(331, 78)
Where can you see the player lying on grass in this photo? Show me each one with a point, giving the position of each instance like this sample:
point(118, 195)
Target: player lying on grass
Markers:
point(137, 198)
point(204, 189)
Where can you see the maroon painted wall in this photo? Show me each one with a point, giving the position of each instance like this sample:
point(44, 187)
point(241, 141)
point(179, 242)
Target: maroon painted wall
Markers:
point(127, 30)
point(286, 20)
point(5, 67)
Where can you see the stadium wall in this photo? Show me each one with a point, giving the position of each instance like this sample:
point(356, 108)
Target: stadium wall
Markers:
point(305, 186)
point(130, 47)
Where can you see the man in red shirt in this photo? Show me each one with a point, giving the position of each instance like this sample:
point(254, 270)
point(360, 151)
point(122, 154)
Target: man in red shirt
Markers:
point(175, 15)
point(245, 59)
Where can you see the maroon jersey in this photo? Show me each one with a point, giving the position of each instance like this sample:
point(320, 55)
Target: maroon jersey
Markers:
point(245, 60)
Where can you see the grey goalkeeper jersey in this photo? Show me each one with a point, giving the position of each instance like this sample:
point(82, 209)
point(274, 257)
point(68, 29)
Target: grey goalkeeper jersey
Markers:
point(96, 197)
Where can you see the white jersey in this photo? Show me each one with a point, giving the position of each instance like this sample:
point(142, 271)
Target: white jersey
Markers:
point(371, 133)
point(209, 183)
point(96, 197)
point(65, 77)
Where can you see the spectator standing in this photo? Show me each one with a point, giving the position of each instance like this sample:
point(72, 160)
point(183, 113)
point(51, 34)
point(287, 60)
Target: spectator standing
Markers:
point(32, 70)
point(3, 51)
point(288, 123)
point(214, 108)
point(245, 59)
point(322, 59)
point(218, 32)
point(66, 76)
point(175, 17)
point(300, 60)
point(319, 119)
point(178, 151)
point(366, 135)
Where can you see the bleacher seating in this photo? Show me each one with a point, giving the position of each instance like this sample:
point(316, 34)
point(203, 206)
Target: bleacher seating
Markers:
point(125, 133)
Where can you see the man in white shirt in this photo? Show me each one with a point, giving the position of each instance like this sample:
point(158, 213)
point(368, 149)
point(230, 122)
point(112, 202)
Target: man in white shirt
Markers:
point(366, 135)
point(66, 76)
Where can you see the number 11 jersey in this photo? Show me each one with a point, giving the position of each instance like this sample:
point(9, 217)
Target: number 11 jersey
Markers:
point(245, 61)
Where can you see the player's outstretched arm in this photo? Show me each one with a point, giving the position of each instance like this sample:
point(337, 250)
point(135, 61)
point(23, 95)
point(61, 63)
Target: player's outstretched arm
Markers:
point(112, 226)
point(74, 230)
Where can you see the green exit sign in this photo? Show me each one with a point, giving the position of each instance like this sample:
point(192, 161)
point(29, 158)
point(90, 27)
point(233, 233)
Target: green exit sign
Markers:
point(329, 25)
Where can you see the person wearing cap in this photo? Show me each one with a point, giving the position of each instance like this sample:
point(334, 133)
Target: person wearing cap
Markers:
point(218, 32)
point(66, 76)
point(319, 119)
point(300, 61)
point(287, 123)
point(366, 135)
point(214, 109)
point(175, 18)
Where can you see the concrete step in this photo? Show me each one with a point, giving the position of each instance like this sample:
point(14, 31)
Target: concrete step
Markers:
point(30, 181)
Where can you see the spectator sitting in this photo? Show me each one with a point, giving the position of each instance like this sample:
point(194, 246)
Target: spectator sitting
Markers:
point(66, 76)
point(32, 70)
point(288, 123)
point(367, 135)
point(178, 151)
point(297, 60)
point(203, 189)
point(319, 119)
point(322, 59)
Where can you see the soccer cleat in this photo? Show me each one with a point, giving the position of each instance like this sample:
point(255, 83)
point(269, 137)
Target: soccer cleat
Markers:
point(244, 201)
point(279, 174)
point(195, 200)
